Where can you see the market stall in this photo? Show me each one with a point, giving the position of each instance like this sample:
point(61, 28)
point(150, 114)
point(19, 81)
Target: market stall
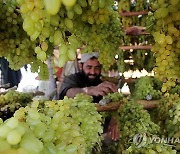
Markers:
point(129, 35)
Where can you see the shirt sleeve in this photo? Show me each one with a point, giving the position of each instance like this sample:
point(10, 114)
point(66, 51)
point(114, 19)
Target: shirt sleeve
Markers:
point(69, 82)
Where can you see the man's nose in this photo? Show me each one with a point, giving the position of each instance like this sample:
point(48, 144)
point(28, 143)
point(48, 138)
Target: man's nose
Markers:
point(92, 71)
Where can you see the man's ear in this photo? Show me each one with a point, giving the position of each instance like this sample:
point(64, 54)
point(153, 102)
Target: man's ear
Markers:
point(80, 66)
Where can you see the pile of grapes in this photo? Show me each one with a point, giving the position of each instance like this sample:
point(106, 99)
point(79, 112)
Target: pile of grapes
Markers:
point(12, 101)
point(64, 126)
point(147, 88)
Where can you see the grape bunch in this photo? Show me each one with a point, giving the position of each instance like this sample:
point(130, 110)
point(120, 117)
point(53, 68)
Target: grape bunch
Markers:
point(59, 126)
point(15, 44)
point(124, 5)
point(143, 60)
point(133, 119)
point(147, 86)
point(141, 5)
point(71, 25)
point(35, 27)
point(104, 37)
point(166, 47)
point(12, 101)
point(175, 89)
point(150, 148)
point(114, 97)
point(168, 115)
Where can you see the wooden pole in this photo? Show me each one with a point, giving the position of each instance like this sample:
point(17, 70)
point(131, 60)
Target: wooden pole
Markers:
point(136, 47)
point(113, 106)
point(133, 13)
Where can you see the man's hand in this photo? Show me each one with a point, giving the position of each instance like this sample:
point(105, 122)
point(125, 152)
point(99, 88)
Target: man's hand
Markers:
point(113, 130)
point(102, 89)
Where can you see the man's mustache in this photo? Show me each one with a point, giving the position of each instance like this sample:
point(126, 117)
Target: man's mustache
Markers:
point(92, 75)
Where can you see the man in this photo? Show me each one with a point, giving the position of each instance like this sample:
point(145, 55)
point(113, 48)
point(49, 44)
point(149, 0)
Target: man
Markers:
point(88, 81)
point(8, 75)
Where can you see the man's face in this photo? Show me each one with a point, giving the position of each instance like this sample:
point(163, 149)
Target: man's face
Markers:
point(92, 69)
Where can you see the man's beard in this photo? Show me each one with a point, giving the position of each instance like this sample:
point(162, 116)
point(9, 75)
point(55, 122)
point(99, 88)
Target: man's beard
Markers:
point(96, 77)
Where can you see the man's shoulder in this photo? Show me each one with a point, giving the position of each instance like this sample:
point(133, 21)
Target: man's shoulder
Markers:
point(75, 76)
point(78, 74)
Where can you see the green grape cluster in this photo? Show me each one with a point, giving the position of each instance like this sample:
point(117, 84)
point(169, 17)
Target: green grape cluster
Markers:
point(105, 38)
point(14, 42)
point(150, 21)
point(59, 126)
point(12, 101)
point(175, 89)
point(168, 115)
point(133, 119)
point(166, 47)
point(114, 97)
point(143, 60)
point(150, 148)
point(141, 5)
point(131, 6)
point(145, 86)
point(120, 62)
point(71, 25)
point(39, 26)
point(124, 5)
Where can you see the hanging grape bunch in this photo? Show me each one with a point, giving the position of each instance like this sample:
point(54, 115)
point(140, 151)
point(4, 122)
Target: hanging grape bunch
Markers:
point(15, 45)
point(167, 43)
point(167, 116)
point(71, 25)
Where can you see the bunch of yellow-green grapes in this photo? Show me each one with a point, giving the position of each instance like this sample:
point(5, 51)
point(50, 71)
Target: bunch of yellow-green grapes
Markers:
point(15, 45)
point(167, 43)
point(133, 119)
point(150, 148)
point(114, 97)
point(140, 5)
point(12, 101)
point(124, 5)
point(71, 25)
point(168, 112)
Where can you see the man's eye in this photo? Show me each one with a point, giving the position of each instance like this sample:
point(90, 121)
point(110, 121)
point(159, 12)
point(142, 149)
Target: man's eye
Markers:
point(97, 67)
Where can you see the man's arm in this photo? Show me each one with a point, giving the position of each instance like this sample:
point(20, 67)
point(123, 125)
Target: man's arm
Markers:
point(100, 90)
point(73, 91)
point(68, 83)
